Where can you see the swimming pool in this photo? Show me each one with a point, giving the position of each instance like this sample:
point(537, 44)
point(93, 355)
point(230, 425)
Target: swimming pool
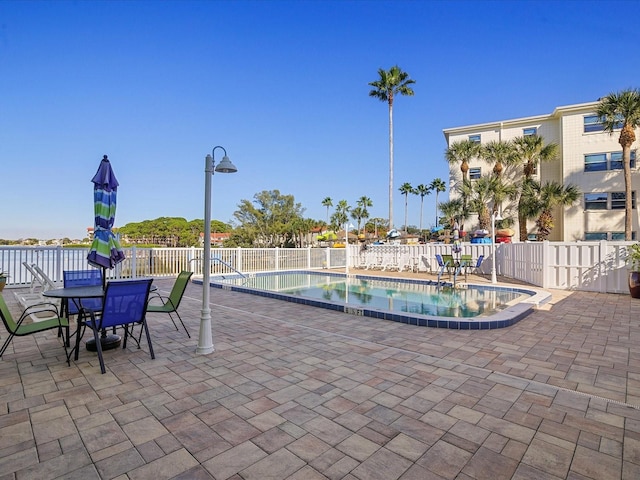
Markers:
point(416, 302)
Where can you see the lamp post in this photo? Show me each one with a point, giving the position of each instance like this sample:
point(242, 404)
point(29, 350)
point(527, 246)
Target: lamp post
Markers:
point(494, 216)
point(346, 245)
point(205, 339)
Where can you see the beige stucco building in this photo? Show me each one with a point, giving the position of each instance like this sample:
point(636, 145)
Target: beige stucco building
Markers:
point(587, 157)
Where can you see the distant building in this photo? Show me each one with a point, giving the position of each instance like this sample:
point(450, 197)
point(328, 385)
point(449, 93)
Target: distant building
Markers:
point(217, 239)
point(587, 157)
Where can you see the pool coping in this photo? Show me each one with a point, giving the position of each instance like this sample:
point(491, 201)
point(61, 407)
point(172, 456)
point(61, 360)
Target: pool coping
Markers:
point(501, 319)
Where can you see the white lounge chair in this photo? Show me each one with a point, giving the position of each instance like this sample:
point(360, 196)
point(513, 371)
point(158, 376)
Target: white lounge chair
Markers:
point(40, 282)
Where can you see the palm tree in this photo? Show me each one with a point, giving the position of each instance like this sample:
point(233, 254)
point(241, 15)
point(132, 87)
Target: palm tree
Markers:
point(480, 194)
point(391, 82)
point(451, 210)
point(462, 152)
point(531, 150)
point(622, 109)
point(364, 202)
point(327, 202)
point(358, 213)
point(439, 186)
point(406, 189)
point(341, 215)
point(376, 221)
point(552, 194)
point(422, 190)
point(500, 154)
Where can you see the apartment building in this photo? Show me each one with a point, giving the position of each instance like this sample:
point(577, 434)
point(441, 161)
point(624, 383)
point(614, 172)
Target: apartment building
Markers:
point(587, 157)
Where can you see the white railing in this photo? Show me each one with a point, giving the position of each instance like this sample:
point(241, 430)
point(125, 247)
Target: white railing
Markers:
point(592, 266)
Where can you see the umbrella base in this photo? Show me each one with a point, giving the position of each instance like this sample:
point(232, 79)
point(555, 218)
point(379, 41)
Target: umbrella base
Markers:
point(107, 342)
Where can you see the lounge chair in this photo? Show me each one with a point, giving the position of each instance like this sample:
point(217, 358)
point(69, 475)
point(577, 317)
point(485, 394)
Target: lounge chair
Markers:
point(40, 282)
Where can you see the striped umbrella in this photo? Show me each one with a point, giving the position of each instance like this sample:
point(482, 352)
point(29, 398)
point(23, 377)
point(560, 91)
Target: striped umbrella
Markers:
point(105, 251)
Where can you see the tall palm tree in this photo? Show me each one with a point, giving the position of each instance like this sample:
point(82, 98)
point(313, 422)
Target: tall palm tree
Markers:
point(552, 194)
point(531, 150)
point(391, 82)
point(327, 202)
point(406, 189)
point(422, 190)
point(462, 152)
point(622, 109)
point(364, 202)
point(439, 186)
point(500, 154)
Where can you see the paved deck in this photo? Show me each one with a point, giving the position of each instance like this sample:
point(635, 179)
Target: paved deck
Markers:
point(302, 393)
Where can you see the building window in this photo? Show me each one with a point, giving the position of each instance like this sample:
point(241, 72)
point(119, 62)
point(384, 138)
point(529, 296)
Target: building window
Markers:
point(595, 201)
point(595, 162)
point(474, 138)
point(614, 236)
point(528, 132)
point(616, 160)
point(598, 162)
point(593, 236)
point(592, 123)
point(475, 173)
point(617, 200)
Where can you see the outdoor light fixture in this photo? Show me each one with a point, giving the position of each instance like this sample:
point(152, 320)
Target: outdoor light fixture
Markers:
point(494, 217)
point(205, 337)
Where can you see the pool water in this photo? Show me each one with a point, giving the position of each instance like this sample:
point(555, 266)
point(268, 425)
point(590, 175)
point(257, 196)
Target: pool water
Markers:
point(406, 300)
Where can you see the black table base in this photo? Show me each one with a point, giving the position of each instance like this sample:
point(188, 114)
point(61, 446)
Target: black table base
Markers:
point(107, 342)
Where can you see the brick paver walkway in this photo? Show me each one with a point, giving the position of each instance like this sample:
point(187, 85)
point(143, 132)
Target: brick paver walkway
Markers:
point(301, 393)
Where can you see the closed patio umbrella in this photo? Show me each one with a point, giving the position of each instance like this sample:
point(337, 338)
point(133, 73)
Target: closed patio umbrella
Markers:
point(105, 251)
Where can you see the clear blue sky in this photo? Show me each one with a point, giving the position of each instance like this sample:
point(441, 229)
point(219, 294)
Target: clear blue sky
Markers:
point(283, 86)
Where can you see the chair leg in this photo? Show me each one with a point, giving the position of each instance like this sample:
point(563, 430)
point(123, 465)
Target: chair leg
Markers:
point(6, 343)
point(146, 330)
point(96, 336)
point(183, 325)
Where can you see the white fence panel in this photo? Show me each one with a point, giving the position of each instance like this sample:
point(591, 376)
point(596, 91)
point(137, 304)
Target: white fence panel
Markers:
point(591, 266)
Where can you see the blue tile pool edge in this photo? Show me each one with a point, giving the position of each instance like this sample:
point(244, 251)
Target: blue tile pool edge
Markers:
point(501, 319)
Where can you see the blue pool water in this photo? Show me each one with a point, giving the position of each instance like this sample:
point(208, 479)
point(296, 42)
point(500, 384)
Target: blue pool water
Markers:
point(410, 301)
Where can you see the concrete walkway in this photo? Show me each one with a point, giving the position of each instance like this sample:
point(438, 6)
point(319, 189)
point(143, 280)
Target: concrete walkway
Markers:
point(301, 393)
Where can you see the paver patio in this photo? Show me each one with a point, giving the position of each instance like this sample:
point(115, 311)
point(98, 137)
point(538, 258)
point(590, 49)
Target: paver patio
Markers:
point(302, 393)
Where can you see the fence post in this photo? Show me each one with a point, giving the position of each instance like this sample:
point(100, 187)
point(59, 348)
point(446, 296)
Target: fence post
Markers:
point(603, 252)
point(239, 259)
point(546, 264)
point(59, 265)
point(134, 263)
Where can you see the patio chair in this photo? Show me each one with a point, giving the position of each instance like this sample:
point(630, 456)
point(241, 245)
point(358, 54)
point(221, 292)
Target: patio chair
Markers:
point(83, 278)
point(475, 268)
point(20, 329)
point(124, 305)
point(171, 303)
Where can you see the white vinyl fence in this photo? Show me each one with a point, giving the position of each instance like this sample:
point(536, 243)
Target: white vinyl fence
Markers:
point(591, 266)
